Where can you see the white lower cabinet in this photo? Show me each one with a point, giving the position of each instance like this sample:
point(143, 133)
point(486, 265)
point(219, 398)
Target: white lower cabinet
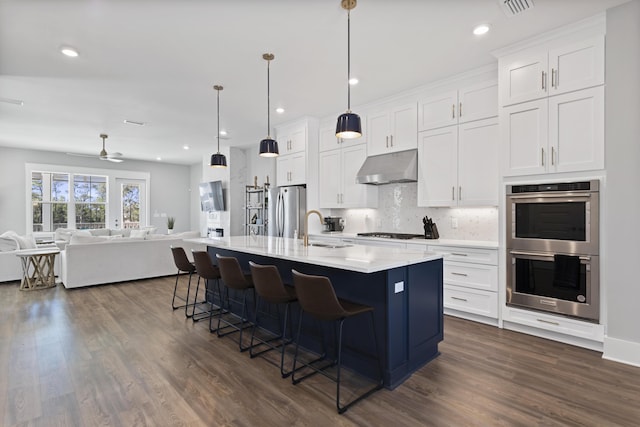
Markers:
point(470, 282)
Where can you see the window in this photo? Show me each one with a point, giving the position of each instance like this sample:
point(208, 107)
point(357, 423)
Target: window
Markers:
point(54, 206)
point(130, 205)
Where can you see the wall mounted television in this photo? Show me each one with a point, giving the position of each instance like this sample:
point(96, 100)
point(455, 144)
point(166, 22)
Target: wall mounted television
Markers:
point(211, 196)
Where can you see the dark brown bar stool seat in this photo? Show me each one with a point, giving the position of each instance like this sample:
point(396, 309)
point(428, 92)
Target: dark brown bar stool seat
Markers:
point(233, 278)
point(184, 266)
point(270, 289)
point(318, 299)
point(211, 275)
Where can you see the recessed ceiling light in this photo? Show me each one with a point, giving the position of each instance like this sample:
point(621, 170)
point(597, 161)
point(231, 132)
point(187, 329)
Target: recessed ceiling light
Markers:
point(69, 51)
point(158, 158)
point(132, 122)
point(279, 110)
point(223, 132)
point(12, 101)
point(353, 81)
point(185, 147)
point(481, 29)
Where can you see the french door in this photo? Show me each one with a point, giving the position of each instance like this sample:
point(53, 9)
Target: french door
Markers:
point(131, 203)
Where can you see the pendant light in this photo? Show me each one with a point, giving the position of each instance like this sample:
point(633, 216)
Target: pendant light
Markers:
point(348, 126)
point(268, 146)
point(218, 160)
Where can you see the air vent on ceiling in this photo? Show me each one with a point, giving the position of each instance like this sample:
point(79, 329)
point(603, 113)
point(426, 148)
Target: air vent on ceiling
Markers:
point(515, 7)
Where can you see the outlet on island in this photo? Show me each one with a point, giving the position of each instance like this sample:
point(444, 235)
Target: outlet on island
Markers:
point(454, 222)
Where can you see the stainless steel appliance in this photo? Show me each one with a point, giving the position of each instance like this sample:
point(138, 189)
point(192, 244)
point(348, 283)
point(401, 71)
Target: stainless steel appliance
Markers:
point(333, 223)
point(286, 210)
point(553, 248)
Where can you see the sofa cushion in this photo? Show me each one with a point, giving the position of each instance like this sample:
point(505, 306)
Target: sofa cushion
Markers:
point(26, 242)
point(100, 232)
point(78, 238)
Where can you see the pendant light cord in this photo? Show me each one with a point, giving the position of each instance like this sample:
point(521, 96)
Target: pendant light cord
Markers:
point(268, 102)
point(218, 135)
point(348, 60)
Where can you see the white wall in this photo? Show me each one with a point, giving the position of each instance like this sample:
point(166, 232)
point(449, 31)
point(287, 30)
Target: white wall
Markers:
point(169, 192)
point(621, 250)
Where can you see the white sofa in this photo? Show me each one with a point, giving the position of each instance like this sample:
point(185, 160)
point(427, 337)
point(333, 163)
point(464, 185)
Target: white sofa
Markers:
point(10, 265)
point(88, 261)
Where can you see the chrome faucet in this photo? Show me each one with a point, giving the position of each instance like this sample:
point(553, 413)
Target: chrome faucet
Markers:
point(306, 225)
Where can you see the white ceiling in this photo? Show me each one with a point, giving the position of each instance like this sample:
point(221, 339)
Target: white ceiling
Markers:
point(156, 61)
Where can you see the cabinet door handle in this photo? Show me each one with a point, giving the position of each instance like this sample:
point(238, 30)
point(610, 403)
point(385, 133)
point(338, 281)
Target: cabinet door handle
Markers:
point(553, 156)
point(553, 78)
point(453, 111)
point(458, 254)
point(458, 274)
point(548, 321)
point(387, 141)
point(460, 110)
point(453, 193)
point(337, 197)
point(544, 81)
point(341, 198)
point(542, 156)
point(391, 138)
point(460, 193)
point(459, 299)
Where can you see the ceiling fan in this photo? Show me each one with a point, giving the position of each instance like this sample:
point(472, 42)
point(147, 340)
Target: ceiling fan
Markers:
point(103, 155)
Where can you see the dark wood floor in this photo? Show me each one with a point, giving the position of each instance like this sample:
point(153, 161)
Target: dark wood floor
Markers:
point(117, 355)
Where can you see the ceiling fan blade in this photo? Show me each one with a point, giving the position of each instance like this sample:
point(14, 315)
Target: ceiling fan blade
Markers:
point(80, 155)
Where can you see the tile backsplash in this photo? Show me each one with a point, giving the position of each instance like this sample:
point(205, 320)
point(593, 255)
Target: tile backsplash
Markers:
point(398, 212)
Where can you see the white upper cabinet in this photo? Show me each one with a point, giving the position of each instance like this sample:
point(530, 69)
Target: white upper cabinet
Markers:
point(291, 169)
point(458, 165)
point(475, 102)
point(563, 133)
point(292, 139)
point(392, 128)
point(337, 184)
point(537, 73)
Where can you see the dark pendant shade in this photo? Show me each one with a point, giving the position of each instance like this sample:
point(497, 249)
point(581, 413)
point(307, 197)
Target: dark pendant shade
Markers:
point(348, 126)
point(218, 160)
point(269, 147)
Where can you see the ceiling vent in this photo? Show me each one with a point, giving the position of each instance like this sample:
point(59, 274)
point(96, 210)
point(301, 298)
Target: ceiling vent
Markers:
point(515, 7)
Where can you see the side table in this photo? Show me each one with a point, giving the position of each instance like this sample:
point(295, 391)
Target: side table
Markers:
point(37, 268)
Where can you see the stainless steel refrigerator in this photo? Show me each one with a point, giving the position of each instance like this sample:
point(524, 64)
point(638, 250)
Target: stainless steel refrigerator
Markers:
point(287, 207)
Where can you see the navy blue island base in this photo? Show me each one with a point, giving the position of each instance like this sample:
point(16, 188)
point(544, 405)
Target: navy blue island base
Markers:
point(408, 307)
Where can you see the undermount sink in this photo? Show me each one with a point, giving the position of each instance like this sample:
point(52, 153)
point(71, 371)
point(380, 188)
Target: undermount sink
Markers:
point(329, 245)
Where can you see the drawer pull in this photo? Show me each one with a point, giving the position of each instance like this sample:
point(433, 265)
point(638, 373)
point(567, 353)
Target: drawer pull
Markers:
point(459, 299)
point(459, 274)
point(458, 254)
point(549, 322)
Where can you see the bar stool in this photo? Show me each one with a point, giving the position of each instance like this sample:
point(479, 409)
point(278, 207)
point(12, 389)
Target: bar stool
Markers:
point(209, 272)
point(270, 289)
point(233, 278)
point(318, 299)
point(184, 266)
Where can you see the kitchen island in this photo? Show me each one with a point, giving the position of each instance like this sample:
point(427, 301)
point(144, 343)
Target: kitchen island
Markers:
point(404, 287)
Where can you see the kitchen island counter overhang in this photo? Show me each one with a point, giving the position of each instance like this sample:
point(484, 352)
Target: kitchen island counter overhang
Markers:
point(404, 286)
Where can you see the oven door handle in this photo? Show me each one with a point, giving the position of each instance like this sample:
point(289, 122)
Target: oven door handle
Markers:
point(540, 255)
point(570, 196)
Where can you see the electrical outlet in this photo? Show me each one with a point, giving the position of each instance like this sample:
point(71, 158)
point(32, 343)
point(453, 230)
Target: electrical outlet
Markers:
point(398, 287)
point(454, 222)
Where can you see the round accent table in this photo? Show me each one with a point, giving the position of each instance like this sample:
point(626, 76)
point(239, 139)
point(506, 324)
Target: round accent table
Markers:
point(37, 268)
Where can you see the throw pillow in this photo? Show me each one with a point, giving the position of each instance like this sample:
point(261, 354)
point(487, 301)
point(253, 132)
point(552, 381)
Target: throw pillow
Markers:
point(100, 232)
point(138, 233)
point(26, 242)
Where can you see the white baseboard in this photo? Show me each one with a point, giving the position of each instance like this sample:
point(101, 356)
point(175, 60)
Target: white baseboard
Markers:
point(617, 350)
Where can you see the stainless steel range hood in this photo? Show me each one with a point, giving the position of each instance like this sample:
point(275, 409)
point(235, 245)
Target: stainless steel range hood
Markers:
point(389, 168)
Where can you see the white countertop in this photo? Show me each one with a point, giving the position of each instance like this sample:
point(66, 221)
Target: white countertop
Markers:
point(360, 258)
point(483, 244)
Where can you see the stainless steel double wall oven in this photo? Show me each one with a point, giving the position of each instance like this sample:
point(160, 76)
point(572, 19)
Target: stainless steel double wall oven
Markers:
point(553, 248)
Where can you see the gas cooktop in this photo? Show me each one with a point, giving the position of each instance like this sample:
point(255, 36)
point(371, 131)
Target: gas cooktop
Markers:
point(384, 235)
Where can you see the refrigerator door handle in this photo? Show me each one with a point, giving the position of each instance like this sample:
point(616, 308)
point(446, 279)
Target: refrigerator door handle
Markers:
point(280, 215)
